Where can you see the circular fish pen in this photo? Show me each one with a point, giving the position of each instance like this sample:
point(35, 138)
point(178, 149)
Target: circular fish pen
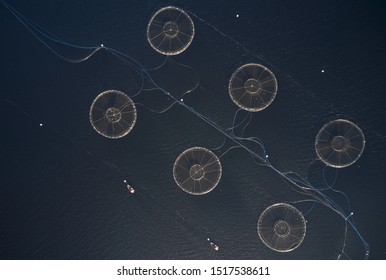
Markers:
point(197, 171)
point(170, 31)
point(252, 87)
point(339, 143)
point(113, 114)
point(281, 227)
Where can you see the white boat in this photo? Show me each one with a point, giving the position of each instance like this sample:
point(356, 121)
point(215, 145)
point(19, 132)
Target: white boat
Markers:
point(214, 246)
point(130, 188)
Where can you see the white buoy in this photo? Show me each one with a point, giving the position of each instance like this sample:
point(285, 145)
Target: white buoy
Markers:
point(40, 124)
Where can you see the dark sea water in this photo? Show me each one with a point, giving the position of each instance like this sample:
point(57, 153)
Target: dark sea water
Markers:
point(61, 189)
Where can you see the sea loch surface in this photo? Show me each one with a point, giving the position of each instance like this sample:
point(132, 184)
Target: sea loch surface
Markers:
point(62, 194)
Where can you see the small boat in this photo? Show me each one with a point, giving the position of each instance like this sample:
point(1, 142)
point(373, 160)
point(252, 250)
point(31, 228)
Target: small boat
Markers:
point(214, 246)
point(130, 188)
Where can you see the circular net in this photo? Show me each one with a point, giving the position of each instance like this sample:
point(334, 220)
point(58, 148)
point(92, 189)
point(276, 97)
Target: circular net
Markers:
point(281, 227)
point(113, 114)
point(197, 171)
point(170, 31)
point(253, 87)
point(339, 143)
